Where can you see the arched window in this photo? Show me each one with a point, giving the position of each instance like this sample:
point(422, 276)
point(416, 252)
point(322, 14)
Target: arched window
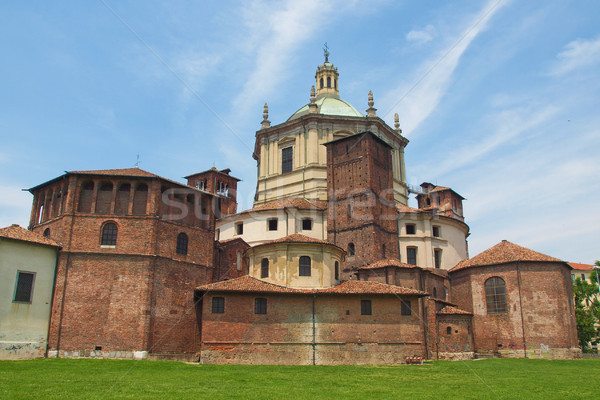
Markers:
point(328, 82)
point(109, 234)
point(47, 232)
point(495, 295)
point(335, 83)
point(264, 268)
point(182, 244)
point(337, 271)
point(321, 83)
point(103, 198)
point(122, 200)
point(140, 198)
point(449, 330)
point(85, 197)
point(304, 266)
point(350, 249)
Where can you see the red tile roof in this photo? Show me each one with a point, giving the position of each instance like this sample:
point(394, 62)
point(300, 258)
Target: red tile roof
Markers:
point(502, 253)
point(118, 172)
point(302, 204)
point(248, 283)
point(453, 310)
point(297, 238)
point(581, 267)
point(390, 262)
point(15, 232)
point(406, 209)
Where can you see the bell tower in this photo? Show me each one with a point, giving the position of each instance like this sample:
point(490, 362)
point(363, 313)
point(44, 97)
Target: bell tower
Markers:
point(327, 78)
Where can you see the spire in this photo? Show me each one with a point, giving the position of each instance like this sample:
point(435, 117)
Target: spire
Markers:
point(265, 122)
point(371, 111)
point(313, 108)
point(327, 78)
point(397, 123)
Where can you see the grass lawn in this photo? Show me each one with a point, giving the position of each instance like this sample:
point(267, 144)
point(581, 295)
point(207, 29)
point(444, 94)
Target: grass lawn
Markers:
point(123, 379)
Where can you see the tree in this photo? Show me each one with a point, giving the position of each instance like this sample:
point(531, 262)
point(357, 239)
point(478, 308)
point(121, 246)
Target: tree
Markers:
point(587, 309)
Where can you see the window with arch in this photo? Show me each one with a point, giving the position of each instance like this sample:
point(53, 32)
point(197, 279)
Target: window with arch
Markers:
point(495, 295)
point(109, 234)
point(449, 330)
point(328, 81)
point(337, 271)
point(305, 265)
point(47, 232)
point(122, 199)
point(104, 198)
point(321, 83)
point(264, 268)
point(351, 250)
point(182, 244)
point(140, 198)
point(85, 197)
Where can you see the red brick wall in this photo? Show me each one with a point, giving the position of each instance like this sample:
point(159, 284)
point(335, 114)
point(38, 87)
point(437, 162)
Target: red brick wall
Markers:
point(230, 261)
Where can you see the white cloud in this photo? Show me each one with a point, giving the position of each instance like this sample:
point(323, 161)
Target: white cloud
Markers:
point(420, 37)
point(194, 68)
point(577, 54)
point(419, 101)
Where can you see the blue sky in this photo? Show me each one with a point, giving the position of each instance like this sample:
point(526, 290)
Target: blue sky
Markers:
point(500, 100)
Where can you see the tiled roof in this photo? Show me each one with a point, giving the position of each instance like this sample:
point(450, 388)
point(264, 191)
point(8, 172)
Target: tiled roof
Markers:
point(250, 284)
point(502, 253)
point(437, 271)
point(15, 232)
point(118, 172)
point(453, 310)
point(581, 267)
point(406, 209)
point(225, 172)
point(297, 238)
point(302, 204)
point(390, 262)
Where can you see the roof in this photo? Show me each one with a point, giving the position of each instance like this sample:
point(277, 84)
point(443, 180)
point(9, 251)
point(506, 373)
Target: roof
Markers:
point(502, 253)
point(297, 238)
point(451, 310)
point(248, 283)
point(225, 172)
point(16, 232)
point(329, 106)
point(390, 262)
point(437, 188)
point(582, 267)
point(294, 202)
point(360, 134)
point(406, 209)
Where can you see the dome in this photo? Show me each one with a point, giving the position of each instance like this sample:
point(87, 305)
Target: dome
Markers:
point(330, 106)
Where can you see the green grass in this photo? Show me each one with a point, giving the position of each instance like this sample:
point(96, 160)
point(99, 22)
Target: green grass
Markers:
point(484, 379)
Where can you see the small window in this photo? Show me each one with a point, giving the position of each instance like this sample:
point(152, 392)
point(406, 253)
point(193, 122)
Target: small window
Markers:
point(411, 255)
point(260, 306)
point(337, 271)
point(437, 200)
point(264, 268)
point(286, 160)
point(351, 249)
point(349, 210)
point(47, 232)
point(328, 82)
point(182, 244)
point(495, 295)
point(435, 293)
point(272, 224)
point(365, 307)
point(24, 290)
point(307, 224)
point(304, 266)
point(583, 277)
point(573, 276)
point(410, 229)
point(449, 330)
point(218, 305)
point(405, 308)
point(436, 231)
point(321, 83)
point(383, 250)
point(239, 228)
point(437, 253)
point(109, 235)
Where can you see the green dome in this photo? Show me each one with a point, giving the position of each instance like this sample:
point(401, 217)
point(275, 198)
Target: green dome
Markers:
point(330, 106)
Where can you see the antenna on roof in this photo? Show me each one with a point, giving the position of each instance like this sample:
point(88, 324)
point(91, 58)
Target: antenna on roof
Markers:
point(137, 161)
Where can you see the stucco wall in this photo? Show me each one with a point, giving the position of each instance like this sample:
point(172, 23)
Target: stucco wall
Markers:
point(24, 326)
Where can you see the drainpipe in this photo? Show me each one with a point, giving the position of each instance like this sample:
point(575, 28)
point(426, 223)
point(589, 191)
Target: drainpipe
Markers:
point(521, 308)
point(314, 362)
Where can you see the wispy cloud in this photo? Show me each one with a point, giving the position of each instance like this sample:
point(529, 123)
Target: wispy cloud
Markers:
point(419, 100)
point(422, 36)
point(580, 53)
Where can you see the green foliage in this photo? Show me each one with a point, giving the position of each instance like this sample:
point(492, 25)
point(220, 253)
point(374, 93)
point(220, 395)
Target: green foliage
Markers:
point(587, 309)
point(126, 379)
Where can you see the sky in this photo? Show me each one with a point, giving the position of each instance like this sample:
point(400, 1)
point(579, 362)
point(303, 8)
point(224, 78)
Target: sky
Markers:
point(500, 99)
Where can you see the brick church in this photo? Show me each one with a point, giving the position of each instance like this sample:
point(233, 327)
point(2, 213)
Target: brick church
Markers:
point(330, 266)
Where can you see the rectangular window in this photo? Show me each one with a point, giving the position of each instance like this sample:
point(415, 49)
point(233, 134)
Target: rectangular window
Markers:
point(286, 160)
point(24, 291)
point(260, 306)
point(583, 277)
point(239, 228)
point(272, 224)
point(438, 257)
point(573, 276)
point(410, 229)
point(307, 224)
point(411, 255)
point(405, 308)
point(436, 231)
point(304, 266)
point(365, 307)
point(218, 305)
